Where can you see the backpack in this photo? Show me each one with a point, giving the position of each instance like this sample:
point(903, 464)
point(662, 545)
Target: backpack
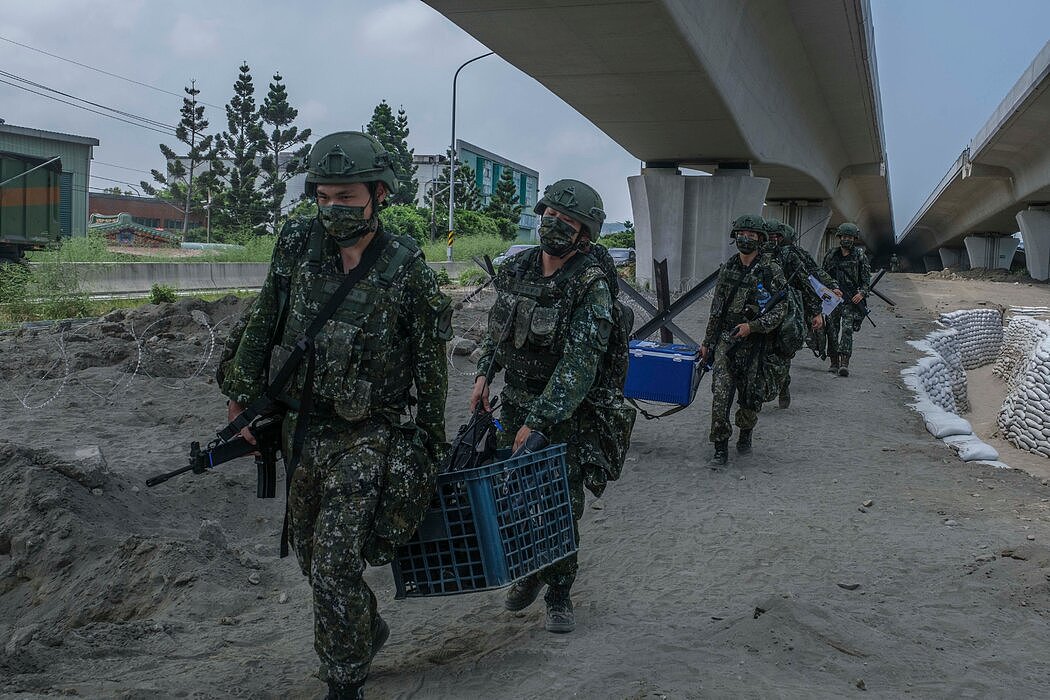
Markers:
point(608, 419)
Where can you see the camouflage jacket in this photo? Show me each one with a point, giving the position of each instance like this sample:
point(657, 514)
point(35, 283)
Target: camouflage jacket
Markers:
point(735, 297)
point(792, 261)
point(557, 330)
point(852, 272)
point(387, 336)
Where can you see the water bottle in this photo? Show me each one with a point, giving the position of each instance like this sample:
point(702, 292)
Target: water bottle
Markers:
point(762, 298)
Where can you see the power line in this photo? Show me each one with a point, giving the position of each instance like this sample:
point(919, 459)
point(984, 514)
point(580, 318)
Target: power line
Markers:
point(99, 70)
point(27, 81)
point(122, 167)
point(88, 109)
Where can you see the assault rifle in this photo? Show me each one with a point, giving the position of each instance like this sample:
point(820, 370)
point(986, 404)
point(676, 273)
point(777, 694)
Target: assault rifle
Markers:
point(847, 296)
point(267, 433)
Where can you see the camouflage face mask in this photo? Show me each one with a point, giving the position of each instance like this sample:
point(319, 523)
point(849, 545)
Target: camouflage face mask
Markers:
point(346, 225)
point(556, 236)
point(746, 245)
point(846, 243)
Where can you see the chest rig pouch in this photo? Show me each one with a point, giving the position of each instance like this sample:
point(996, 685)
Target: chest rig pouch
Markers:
point(538, 311)
point(358, 371)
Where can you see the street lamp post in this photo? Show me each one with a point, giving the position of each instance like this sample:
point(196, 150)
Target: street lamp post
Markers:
point(452, 158)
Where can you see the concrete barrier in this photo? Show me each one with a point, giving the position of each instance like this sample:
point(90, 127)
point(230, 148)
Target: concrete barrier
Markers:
point(138, 278)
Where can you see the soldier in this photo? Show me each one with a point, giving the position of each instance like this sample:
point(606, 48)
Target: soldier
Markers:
point(734, 343)
point(366, 467)
point(851, 270)
point(798, 265)
point(895, 263)
point(559, 378)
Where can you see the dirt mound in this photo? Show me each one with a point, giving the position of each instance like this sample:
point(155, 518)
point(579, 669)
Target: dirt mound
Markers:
point(981, 273)
point(80, 545)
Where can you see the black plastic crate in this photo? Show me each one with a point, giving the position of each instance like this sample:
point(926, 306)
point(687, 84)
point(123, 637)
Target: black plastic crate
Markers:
point(489, 526)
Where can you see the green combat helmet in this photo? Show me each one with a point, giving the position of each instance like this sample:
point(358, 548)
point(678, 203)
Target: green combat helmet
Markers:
point(848, 229)
point(349, 156)
point(576, 199)
point(749, 222)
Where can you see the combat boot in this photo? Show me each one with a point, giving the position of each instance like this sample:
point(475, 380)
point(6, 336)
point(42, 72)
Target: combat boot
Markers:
point(785, 397)
point(844, 366)
point(523, 593)
point(560, 616)
point(834, 369)
point(345, 691)
point(743, 443)
point(721, 455)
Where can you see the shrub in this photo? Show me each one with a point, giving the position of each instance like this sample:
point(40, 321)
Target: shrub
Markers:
point(466, 248)
point(405, 220)
point(443, 279)
point(622, 239)
point(162, 294)
point(472, 276)
point(474, 223)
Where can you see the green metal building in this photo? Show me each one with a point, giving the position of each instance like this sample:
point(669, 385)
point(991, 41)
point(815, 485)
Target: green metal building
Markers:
point(75, 153)
point(488, 167)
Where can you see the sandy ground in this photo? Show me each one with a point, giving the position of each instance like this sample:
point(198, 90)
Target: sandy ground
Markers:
point(770, 579)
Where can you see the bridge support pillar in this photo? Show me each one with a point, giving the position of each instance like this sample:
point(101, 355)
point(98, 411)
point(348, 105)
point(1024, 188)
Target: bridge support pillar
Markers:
point(809, 219)
point(932, 263)
point(991, 251)
point(955, 258)
point(685, 219)
point(1035, 230)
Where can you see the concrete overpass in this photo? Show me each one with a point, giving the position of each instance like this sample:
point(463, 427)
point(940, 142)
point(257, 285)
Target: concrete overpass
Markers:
point(778, 99)
point(999, 185)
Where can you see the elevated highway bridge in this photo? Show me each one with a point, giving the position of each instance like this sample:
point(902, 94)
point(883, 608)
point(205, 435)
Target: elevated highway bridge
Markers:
point(998, 186)
point(777, 99)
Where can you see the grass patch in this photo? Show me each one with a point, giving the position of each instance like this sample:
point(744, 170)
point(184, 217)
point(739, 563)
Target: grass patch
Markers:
point(466, 248)
point(94, 249)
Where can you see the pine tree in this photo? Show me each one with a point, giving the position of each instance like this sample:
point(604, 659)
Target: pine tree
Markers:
point(177, 182)
point(504, 202)
point(243, 206)
point(467, 196)
point(284, 137)
point(393, 134)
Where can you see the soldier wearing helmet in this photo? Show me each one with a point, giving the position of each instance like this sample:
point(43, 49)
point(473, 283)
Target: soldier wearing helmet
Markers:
point(798, 266)
point(362, 467)
point(734, 342)
point(852, 271)
point(554, 330)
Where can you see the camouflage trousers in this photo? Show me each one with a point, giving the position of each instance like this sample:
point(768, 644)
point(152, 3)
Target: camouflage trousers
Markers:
point(332, 504)
point(514, 411)
point(786, 384)
point(723, 390)
point(840, 328)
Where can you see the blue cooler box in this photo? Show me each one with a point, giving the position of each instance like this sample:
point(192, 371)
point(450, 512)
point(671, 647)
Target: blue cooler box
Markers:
point(661, 372)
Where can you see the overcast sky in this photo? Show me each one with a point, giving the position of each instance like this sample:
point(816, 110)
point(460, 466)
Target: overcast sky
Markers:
point(944, 65)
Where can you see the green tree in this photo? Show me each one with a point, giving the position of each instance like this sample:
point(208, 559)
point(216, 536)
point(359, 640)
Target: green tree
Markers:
point(404, 220)
point(283, 138)
point(504, 202)
point(243, 206)
point(393, 134)
point(467, 197)
point(178, 186)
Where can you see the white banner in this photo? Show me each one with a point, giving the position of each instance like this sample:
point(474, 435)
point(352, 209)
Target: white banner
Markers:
point(828, 300)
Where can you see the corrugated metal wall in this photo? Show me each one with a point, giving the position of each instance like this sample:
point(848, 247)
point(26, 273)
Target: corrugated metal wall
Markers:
point(75, 160)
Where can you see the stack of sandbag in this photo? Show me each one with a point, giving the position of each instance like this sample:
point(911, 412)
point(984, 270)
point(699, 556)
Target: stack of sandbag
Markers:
point(1021, 336)
point(1024, 418)
point(980, 334)
point(945, 343)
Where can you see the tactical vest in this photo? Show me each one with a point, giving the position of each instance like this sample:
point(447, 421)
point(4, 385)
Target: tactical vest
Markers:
point(535, 316)
point(360, 369)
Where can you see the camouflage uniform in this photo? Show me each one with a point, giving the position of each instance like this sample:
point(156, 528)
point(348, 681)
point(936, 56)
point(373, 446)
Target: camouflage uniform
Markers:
point(735, 294)
point(550, 360)
point(367, 468)
point(798, 265)
point(852, 274)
